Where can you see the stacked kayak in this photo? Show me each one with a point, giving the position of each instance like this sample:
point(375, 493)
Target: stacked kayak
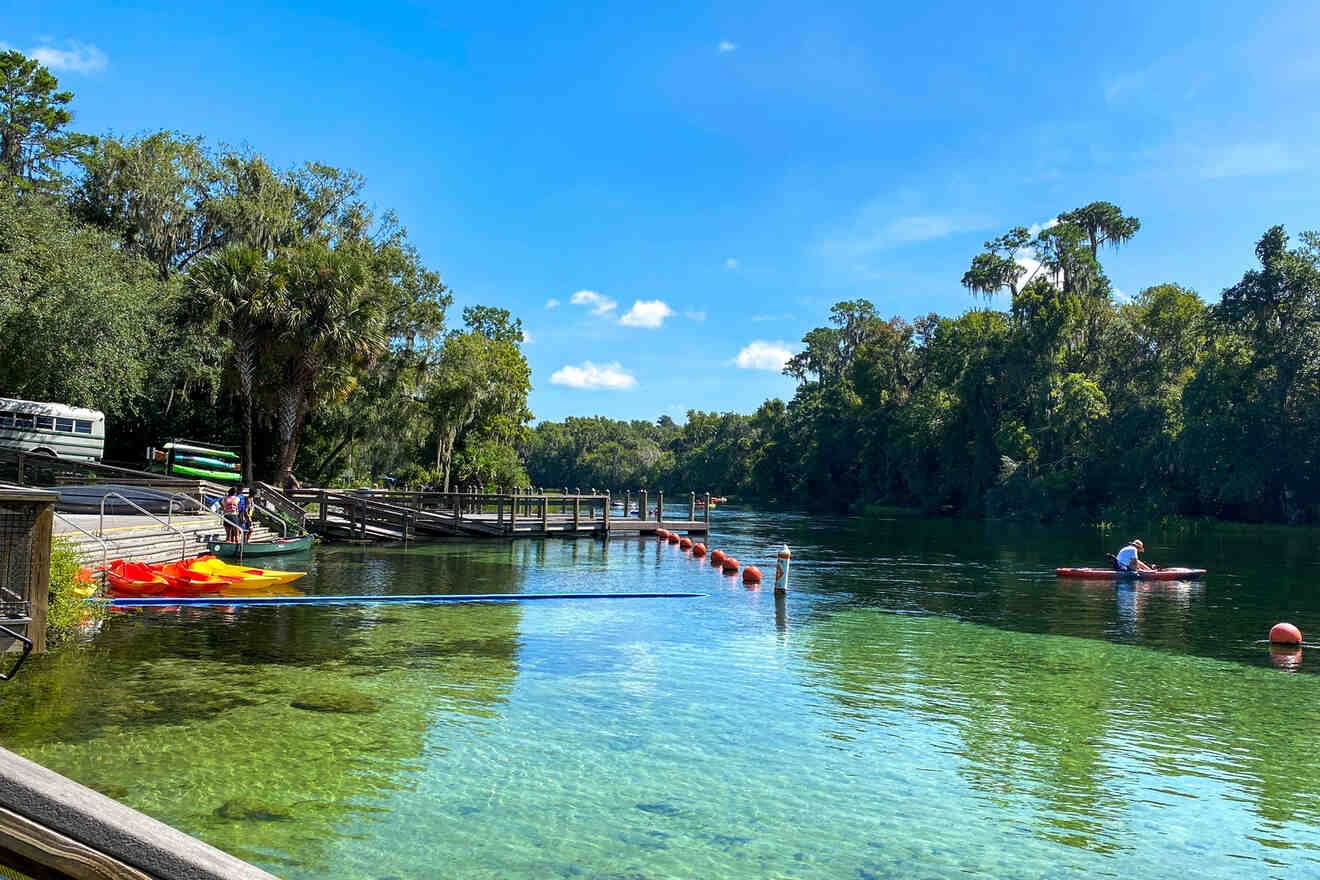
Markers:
point(208, 462)
point(197, 576)
point(1161, 574)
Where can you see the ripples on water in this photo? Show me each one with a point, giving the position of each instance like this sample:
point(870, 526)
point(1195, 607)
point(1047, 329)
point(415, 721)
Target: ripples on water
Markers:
point(928, 701)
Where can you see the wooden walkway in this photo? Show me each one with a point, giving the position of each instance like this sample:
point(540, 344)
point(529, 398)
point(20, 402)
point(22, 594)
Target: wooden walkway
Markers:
point(409, 516)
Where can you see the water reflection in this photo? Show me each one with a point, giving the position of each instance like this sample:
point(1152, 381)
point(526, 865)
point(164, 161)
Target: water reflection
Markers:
point(1078, 736)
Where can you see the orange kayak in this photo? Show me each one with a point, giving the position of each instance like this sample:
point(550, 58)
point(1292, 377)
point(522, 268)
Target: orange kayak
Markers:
point(1160, 574)
point(135, 579)
point(185, 581)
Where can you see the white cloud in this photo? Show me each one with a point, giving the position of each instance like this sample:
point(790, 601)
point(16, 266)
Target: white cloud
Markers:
point(872, 234)
point(599, 304)
point(731, 263)
point(760, 318)
point(552, 303)
point(527, 337)
point(1036, 229)
point(1251, 160)
point(649, 313)
point(78, 58)
point(726, 46)
point(612, 376)
point(695, 316)
point(762, 355)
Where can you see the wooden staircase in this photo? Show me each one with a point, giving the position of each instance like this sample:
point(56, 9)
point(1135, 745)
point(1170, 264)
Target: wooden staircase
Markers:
point(152, 542)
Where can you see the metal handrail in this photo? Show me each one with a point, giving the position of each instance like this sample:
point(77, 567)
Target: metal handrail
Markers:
point(169, 504)
point(183, 539)
point(105, 548)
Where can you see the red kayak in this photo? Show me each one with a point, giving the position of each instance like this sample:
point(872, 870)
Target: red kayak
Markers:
point(1163, 574)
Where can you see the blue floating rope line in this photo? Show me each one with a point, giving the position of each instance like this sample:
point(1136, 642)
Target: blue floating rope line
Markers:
point(423, 599)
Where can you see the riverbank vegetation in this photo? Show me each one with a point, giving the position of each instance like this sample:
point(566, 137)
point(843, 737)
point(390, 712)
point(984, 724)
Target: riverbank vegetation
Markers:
point(1071, 403)
point(193, 290)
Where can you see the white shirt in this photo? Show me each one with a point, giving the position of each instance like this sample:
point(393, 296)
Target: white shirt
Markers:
point(1127, 557)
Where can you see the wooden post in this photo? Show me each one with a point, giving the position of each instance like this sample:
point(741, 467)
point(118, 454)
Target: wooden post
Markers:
point(627, 499)
point(38, 592)
point(692, 506)
point(605, 516)
point(321, 512)
point(513, 514)
point(659, 507)
point(545, 514)
point(642, 512)
point(707, 513)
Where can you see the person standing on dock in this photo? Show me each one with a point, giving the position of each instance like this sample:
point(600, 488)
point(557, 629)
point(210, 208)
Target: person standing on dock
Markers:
point(244, 515)
point(229, 511)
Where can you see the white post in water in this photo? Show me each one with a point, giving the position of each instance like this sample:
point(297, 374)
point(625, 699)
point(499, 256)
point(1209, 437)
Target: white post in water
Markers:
point(781, 569)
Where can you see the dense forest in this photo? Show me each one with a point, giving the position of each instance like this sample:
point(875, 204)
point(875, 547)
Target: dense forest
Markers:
point(1070, 405)
point(193, 290)
point(189, 290)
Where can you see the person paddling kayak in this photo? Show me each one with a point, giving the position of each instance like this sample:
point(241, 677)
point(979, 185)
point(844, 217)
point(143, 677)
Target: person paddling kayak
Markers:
point(1128, 559)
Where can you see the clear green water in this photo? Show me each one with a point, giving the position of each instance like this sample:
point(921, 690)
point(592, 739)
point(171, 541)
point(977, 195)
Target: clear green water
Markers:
point(929, 702)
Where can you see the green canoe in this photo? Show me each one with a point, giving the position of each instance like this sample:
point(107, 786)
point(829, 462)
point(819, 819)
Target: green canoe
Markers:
point(226, 550)
point(202, 450)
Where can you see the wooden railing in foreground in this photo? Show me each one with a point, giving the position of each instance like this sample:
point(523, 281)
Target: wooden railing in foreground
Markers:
point(52, 827)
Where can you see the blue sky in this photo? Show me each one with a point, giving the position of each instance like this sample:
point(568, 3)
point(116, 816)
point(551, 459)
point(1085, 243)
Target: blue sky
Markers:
point(734, 168)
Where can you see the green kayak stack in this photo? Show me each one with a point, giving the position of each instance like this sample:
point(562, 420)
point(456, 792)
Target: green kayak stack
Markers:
point(207, 461)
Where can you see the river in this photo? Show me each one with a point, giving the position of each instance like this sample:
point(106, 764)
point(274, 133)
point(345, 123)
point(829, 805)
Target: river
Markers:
point(928, 701)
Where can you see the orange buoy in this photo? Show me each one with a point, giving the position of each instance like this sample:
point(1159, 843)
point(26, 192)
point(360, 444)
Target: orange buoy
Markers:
point(698, 549)
point(673, 537)
point(730, 565)
point(1285, 634)
point(661, 534)
point(751, 575)
point(716, 557)
point(685, 543)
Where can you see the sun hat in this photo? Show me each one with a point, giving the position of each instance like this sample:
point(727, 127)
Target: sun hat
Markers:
point(1136, 542)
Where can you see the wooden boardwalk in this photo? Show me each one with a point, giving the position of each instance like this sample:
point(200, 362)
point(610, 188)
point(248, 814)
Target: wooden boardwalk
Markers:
point(410, 516)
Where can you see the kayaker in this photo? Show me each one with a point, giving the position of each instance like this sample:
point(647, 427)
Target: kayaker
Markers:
point(229, 510)
point(1128, 559)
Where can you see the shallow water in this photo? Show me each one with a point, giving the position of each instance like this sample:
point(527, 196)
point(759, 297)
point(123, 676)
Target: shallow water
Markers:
point(929, 701)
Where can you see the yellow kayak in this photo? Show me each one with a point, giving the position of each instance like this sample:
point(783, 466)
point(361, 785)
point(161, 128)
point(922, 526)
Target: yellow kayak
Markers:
point(248, 576)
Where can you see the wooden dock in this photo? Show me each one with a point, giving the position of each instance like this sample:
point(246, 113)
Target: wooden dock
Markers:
point(410, 516)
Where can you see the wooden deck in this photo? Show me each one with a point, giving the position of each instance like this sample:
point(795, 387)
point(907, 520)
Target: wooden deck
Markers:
point(410, 516)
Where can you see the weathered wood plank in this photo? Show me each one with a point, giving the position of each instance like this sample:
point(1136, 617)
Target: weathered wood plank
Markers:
point(49, 800)
point(45, 853)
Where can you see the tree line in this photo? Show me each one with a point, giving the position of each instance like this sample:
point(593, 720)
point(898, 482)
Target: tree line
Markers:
point(193, 290)
point(1071, 404)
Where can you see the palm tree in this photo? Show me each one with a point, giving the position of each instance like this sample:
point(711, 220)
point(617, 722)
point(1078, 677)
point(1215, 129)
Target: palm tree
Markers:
point(329, 322)
point(233, 291)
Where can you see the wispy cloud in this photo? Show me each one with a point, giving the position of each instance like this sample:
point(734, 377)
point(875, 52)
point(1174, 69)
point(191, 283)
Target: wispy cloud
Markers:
point(871, 235)
point(648, 313)
point(594, 377)
point(77, 58)
point(527, 337)
point(762, 355)
point(599, 305)
point(552, 303)
point(1251, 160)
point(726, 46)
point(731, 263)
point(695, 316)
point(761, 318)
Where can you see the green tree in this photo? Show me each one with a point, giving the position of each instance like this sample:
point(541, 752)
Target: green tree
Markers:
point(34, 145)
